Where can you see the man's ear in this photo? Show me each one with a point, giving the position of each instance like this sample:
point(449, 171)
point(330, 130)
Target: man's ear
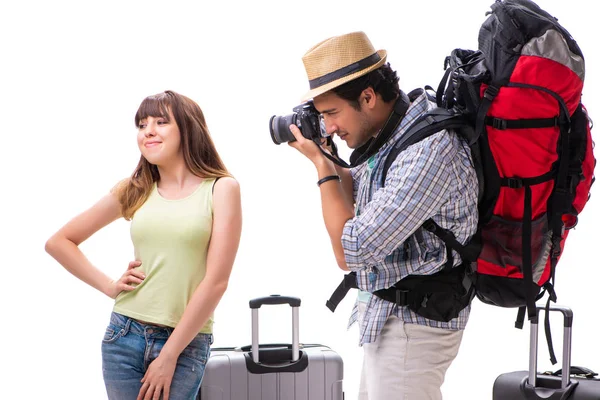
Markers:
point(369, 97)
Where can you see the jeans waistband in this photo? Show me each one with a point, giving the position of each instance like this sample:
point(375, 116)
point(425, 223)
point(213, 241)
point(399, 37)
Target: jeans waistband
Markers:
point(140, 328)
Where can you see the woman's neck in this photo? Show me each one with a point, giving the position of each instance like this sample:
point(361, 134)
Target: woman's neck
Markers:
point(177, 176)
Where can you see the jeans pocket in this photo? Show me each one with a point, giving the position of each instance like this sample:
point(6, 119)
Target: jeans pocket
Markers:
point(199, 348)
point(112, 333)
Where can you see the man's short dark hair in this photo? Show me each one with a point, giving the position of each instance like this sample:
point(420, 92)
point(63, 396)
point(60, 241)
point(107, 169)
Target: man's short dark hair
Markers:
point(383, 80)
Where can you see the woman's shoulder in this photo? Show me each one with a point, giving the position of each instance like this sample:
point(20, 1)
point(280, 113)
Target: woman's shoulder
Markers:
point(226, 184)
point(226, 193)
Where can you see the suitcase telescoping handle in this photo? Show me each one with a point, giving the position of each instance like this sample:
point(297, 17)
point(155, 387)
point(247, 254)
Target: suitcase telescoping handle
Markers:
point(255, 304)
point(566, 353)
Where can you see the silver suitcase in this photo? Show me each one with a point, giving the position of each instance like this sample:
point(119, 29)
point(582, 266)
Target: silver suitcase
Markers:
point(273, 371)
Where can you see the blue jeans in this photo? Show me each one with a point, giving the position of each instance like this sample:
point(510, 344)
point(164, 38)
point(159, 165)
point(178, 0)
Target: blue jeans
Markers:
point(128, 348)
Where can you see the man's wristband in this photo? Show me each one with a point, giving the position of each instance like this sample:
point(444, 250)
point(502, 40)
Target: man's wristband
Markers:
point(329, 178)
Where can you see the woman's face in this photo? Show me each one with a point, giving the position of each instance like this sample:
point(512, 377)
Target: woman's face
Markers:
point(159, 139)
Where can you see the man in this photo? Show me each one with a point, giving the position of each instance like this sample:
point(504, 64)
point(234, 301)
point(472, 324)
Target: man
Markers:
point(375, 226)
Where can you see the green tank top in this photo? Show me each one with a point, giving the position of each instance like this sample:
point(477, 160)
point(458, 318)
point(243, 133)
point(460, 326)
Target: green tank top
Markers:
point(170, 238)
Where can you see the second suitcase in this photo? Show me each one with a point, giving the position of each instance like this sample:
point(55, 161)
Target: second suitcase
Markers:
point(531, 385)
point(275, 371)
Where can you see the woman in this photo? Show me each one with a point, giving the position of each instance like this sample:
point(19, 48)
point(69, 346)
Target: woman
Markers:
point(185, 213)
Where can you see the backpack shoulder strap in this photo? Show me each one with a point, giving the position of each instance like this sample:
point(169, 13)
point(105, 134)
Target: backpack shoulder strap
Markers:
point(426, 125)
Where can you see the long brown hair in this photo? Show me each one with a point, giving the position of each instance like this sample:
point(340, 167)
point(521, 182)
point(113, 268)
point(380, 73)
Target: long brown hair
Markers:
point(199, 152)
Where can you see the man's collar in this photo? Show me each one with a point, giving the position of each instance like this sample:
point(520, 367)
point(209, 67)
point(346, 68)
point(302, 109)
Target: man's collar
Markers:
point(373, 145)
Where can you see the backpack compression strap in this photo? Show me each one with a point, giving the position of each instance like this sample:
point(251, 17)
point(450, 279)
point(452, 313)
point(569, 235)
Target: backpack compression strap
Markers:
point(349, 282)
point(414, 289)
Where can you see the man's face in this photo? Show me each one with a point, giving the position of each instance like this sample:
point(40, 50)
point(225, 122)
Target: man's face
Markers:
point(351, 125)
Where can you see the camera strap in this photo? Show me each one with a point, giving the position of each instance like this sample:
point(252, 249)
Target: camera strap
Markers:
point(373, 145)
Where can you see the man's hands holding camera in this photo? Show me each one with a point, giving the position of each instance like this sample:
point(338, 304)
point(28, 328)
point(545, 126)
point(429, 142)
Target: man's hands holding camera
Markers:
point(309, 148)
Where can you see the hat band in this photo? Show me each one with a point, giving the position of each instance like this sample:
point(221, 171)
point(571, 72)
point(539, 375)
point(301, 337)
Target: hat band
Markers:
point(347, 70)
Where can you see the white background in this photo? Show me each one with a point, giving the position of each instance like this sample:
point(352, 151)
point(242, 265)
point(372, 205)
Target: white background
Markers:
point(73, 75)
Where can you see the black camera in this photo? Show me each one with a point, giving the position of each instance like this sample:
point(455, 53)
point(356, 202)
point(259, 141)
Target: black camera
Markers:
point(305, 117)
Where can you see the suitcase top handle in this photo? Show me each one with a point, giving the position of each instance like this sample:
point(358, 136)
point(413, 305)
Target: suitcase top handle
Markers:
point(255, 304)
point(274, 299)
point(566, 354)
point(566, 312)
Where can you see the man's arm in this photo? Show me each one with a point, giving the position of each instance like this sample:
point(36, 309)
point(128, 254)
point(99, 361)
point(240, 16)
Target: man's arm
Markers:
point(335, 203)
point(347, 183)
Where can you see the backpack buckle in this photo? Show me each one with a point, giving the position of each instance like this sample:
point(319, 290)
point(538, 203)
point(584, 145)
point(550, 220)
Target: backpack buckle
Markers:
point(514, 183)
point(491, 92)
point(555, 249)
point(499, 124)
point(430, 226)
point(350, 281)
point(401, 297)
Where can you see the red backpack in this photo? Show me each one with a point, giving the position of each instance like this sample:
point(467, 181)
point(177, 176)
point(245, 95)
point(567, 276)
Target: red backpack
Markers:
point(538, 133)
point(531, 144)
point(517, 101)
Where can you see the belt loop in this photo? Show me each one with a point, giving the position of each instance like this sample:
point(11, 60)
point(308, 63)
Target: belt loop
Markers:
point(127, 325)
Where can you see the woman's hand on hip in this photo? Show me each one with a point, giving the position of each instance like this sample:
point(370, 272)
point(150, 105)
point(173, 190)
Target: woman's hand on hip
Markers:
point(132, 275)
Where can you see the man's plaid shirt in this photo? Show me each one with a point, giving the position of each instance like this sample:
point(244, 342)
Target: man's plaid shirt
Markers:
point(435, 179)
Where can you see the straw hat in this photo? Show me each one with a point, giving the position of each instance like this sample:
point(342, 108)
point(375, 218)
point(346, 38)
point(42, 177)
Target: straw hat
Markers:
point(338, 60)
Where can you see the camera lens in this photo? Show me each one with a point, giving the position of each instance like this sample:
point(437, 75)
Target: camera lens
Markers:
point(279, 127)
